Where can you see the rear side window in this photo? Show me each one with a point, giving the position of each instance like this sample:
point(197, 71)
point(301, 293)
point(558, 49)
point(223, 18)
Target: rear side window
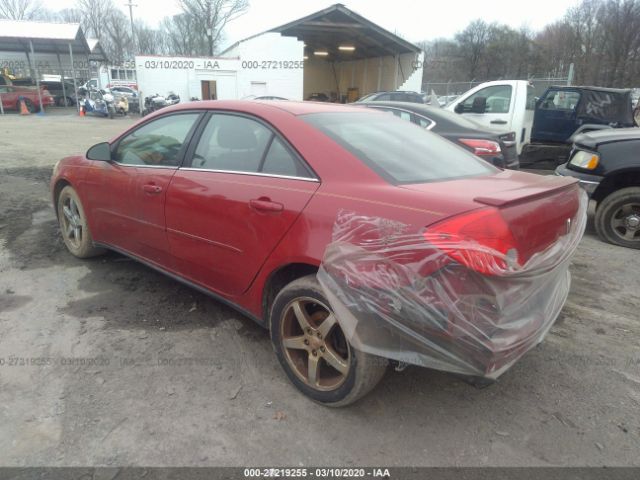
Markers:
point(232, 143)
point(280, 161)
point(399, 151)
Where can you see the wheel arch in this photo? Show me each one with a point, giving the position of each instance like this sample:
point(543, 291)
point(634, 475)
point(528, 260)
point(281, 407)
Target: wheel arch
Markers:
point(278, 279)
point(616, 181)
point(60, 184)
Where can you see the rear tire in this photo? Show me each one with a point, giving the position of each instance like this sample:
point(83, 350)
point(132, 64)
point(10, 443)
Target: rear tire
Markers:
point(617, 218)
point(73, 225)
point(318, 359)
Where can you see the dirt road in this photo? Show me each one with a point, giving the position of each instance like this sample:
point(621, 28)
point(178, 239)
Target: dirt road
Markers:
point(105, 362)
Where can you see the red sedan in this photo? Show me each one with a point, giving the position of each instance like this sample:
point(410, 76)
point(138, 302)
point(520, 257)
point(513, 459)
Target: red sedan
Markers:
point(355, 238)
point(10, 96)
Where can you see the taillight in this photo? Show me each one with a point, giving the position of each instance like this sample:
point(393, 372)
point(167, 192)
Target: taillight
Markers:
point(482, 147)
point(480, 240)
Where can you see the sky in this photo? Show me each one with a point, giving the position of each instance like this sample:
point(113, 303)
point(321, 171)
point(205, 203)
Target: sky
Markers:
point(414, 20)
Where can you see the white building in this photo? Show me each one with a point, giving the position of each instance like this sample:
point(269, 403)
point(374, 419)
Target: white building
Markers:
point(239, 73)
point(334, 52)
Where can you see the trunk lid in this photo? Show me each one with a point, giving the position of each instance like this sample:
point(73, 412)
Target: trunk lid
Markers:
point(537, 209)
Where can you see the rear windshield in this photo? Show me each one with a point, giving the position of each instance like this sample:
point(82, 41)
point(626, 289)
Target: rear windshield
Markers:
point(397, 150)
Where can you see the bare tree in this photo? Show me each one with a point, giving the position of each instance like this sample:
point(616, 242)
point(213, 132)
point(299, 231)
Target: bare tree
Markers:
point(19, 9)
point(473, 42)
point(211, 16)
point(116, 37)
point(181, 36)
point(70, 15)
point(94, 13)
point(149, 40)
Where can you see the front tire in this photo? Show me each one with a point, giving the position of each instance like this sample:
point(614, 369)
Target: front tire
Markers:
point(313, 350)
point(617, 218)
point(73, 225)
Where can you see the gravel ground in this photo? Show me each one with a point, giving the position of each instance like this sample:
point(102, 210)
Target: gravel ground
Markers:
point(106, 362)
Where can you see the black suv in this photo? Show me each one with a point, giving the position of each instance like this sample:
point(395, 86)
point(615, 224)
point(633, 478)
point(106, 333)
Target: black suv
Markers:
point(607, 164)
point(411, 97)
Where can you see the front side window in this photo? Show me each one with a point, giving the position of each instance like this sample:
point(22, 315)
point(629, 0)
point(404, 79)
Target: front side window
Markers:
point(498, 99)
point(399, 151)
point(157, 143)
point(233, 143)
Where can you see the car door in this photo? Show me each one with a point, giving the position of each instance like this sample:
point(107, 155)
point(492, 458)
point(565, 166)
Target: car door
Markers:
point(498, 100)
point(240, 190)
point(9, 97)
point(127, 195)
point(554, 119)
point(4, 97)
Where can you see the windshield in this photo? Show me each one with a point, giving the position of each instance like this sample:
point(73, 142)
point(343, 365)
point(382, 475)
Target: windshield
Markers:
point(398, 151)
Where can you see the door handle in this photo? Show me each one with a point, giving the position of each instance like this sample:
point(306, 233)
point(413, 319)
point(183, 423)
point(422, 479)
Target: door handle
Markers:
point(150, 188)
point(264, 204)
point(499, 122)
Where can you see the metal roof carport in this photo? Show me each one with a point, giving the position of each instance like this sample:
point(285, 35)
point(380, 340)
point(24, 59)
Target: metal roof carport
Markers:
point(339, 36)
point(53, 38)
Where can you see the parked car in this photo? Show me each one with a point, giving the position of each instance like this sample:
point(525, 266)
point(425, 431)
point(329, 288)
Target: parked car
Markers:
point(241, 200)
point(62, 98)
point(607, 164)
point(124, 91)
point(66, 97)
point(318, 97)
point(11, 98)
point(411, 97)
point(544, 126)
point(491, 145)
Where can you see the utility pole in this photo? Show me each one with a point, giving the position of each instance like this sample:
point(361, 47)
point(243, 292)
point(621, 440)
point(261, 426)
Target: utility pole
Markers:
point(130, 4)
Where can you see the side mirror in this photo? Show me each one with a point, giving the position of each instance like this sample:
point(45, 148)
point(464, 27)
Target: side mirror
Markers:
point(459, 108)
point(479, 105)
point(100, 152)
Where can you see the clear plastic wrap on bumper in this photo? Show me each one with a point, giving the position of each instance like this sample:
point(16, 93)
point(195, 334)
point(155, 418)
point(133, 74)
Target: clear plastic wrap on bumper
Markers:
point(447, 303)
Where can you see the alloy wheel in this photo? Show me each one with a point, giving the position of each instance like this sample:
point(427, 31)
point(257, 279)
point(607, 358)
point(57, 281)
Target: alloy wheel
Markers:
point(314, 345)
point(72, 223)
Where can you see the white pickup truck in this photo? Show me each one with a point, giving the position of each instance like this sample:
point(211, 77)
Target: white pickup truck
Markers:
point(504, 105)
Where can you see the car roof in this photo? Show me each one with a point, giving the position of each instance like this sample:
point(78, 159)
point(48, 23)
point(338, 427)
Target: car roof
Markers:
point(596, 89)
point(293, 107)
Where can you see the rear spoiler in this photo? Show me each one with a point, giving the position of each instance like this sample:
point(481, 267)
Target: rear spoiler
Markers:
point(550, 184)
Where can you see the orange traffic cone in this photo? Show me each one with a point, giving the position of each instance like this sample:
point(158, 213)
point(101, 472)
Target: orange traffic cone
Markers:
point(81, 113)
point(23, 107)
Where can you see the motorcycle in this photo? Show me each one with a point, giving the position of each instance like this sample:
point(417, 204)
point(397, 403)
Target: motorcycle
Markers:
point(173, 98)
point(122, 105)
point(99, 102)
point(153, 103)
